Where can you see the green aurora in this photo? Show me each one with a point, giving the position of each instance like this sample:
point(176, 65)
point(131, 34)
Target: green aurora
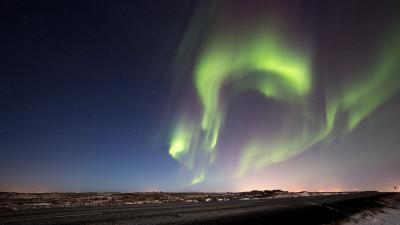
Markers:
point(266, 61)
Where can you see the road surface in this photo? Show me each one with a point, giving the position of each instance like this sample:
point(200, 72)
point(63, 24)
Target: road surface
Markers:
point(298, 210)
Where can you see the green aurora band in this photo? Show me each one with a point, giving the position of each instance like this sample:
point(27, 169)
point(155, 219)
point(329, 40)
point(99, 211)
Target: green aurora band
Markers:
point(266, 62)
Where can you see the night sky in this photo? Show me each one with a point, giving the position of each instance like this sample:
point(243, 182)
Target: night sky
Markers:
point(199, 96)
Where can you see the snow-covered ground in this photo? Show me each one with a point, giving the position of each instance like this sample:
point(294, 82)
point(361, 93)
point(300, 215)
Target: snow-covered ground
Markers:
point(389, 214)
point(20, 201)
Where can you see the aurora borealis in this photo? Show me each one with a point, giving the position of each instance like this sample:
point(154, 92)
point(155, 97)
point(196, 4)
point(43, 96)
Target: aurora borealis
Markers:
point(226, 95)
point(262, 53)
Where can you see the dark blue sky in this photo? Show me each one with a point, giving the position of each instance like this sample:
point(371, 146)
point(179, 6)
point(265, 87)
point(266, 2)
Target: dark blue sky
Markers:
point(83, 92)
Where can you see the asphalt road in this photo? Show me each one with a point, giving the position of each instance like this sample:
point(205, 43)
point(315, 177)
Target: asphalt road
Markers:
point(299, 210)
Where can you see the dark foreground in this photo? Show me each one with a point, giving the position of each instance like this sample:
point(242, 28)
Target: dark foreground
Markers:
point(299, 210)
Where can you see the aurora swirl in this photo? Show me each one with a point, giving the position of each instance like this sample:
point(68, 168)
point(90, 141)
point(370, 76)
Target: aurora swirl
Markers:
point(265, 54)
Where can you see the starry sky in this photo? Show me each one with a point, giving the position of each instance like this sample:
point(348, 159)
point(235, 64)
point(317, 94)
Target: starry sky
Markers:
point(199, 95)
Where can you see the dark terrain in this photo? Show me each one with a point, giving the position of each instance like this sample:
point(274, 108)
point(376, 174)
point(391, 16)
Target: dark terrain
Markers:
point(275, 209)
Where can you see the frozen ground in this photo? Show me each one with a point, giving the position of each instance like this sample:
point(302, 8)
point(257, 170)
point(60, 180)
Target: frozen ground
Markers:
point(386, 213)
point(249, 208)
point(10, 201)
